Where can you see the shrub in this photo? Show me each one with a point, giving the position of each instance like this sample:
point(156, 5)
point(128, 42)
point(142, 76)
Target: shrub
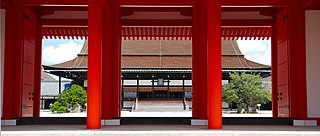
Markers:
point(71, 100)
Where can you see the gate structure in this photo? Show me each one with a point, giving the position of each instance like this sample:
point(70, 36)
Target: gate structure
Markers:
point(105, 22)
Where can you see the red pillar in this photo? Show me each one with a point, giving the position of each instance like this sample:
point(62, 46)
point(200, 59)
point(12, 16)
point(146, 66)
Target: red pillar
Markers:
point(202, 61)
point(13, 62)
point(297, 60)
point(199, 60)
point(18, 83)
point(195, 63)
point(214, 64)
point(37, 72)
point(107, 62)
point(117, 62)
point(274, 70)
point(111, 62)
point(9, 63)
point(94, 64)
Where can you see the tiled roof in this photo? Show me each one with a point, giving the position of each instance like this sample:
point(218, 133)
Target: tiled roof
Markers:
point(165, 47)
point(46, 77)
point(51, 88)
point(164, 54)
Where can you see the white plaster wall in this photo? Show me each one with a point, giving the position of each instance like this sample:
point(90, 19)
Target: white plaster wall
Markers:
point(313, 62)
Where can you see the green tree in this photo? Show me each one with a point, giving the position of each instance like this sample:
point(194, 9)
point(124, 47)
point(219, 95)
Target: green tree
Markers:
point(71, 100)
point(246, 90)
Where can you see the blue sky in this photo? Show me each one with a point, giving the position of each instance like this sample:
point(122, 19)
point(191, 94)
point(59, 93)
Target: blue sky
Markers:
point(57, 51)
point(256, 50)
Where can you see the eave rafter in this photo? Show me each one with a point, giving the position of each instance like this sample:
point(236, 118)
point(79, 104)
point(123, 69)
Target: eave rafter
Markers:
point(272, 3)
point(168, 32)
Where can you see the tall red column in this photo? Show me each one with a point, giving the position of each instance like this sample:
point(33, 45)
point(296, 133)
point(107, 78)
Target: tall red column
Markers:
point(12, 83)
point(37, 72)
point(94, 64)
point(202, 61)
point(9, 63)
point(117, 62)
point(107, 62)
point(214, 64)
point(274, 70)
point(199, 60)
point(111, 62)
point(195, 64)
point(297, 60)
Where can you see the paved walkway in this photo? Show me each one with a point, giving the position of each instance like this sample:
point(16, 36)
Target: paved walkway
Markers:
point(46, 113)
point(159, 130)
point(173, 108)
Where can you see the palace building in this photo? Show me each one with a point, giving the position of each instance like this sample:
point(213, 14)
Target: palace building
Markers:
point(159, 69)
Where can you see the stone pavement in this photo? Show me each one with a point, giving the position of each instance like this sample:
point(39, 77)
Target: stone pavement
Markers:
point(159, 130)
point(158, 108)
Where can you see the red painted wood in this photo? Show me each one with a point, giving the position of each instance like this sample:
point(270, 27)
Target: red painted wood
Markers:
point(282, 66)
point(12, 80)
point(156, 22)
point(164, 32)
point(310, 4)
point(107, 62)
point(37, 71)
point(297, 58)
point(274, 70)
point(195, 63)
point(94, 65)
point(65, 22)
point(156, 2)
point(202, 61)
point(159, 22)
point(133, 33)
point(6, 4)
point(273, 3)
point(126, 11)
point(28, 65)
point(214, 76)
point(117, 64)
point(141, 34)
point(228, 33)
point(246, 22)
point(19, 61)
point(150, 33)
point(124, 33)
point(54, 2)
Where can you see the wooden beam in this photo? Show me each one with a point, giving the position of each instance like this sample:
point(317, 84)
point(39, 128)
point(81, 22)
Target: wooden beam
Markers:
point(55, 2)
point(310, 4)
point(272, 3)
point(156, 22)
point(155, 2)
point(65, 22)
point(188, 22)
point(255, 3)
point(247, 22)
point(5, 4)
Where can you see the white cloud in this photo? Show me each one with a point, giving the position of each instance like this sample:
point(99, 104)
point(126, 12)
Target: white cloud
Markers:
point(256, 50)
point(52, 54)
